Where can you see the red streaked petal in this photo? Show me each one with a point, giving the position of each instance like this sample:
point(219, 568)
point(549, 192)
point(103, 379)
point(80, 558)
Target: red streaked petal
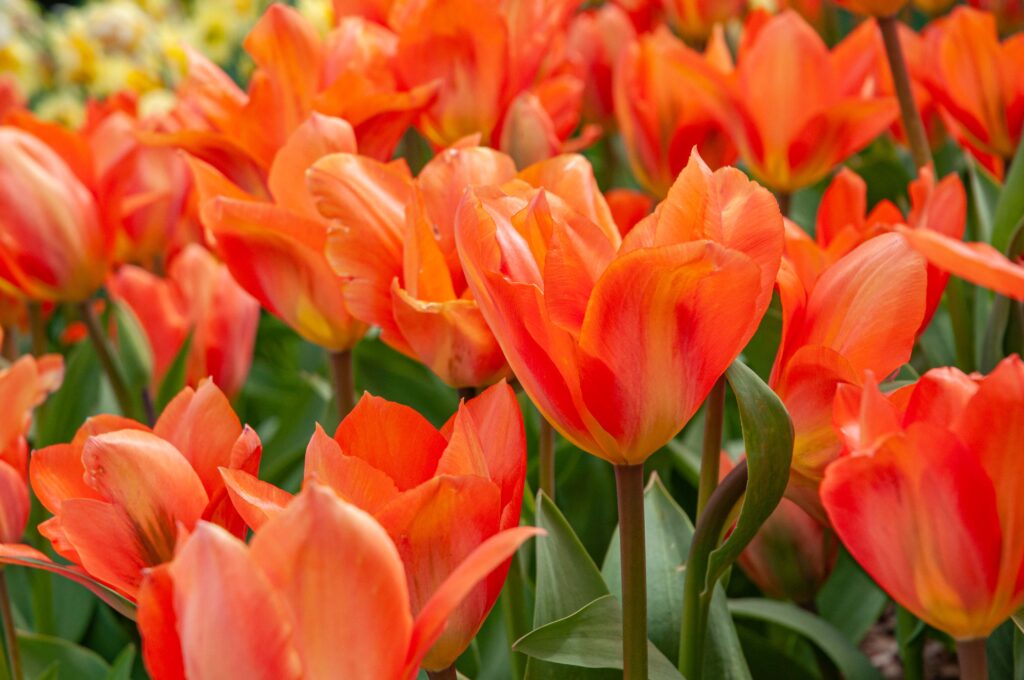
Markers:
point(255, 500)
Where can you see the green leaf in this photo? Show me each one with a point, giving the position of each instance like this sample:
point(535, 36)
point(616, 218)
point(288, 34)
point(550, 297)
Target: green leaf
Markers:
point(850, 600)
point(121, 669)
point(984, 191)
point(134, 354)
point(76, 609)
point(850, 661)
point(591, 638)
point(668, 534)
point(567, 581)
point(174, 379)
point(1009, 210)
point(59, 418)
point(768, 439)
point(40, 652)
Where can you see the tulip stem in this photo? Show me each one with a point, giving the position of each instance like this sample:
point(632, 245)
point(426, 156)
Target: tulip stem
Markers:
point(629, 484)
point(696, 593)
point(37, 329)
point(10, 344)
point(912, 123)
point(443, 674)
point(546, 451)
point(105, 354)
point(10, 635)
point(344, 382)
point(973, 660)
point(714, 412)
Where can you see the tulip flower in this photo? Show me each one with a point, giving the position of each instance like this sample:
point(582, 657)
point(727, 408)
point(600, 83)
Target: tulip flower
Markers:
point(121, 494)
point(275, 250)
point(1009, 14)
point(862, 313)
point(398, 252)
point(974, 78)
point(53, 244)
point(25, 384)
point(800, 109)
point(596, 38)
point(271, 610)
point(927, 494)
point(501, 73)
point(198, 299)
point(694, 20)
point(566, 302)
point(438, 495)
point(663, 109)
point(628, 207)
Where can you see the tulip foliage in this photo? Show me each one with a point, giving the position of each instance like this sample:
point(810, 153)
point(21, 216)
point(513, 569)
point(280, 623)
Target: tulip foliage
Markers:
point(512, 340)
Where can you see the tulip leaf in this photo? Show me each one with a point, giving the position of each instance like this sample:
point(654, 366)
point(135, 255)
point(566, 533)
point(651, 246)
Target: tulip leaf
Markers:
point(669, 532)
point(851, 662)
point(984, 192)
point(591, 638)
point(39, 653)
point(175, 377)
point(768, 439)
point(567, 581)
point(59, 418)
point(121, 669)
point(1009, 209)
point(134, 356)
point(1018, 619)
point(850, 600)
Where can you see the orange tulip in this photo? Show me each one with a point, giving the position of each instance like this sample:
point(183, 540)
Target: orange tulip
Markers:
point(439, 495)
point(618, 345)
point(799, 109)
point(200, 298)
point(694, 19)
point(927, 494)
point(596, 38)
point(121, 493)
point(295, 604)
point(663, 108)
point(862, 313)
point(25, 384)
point(397, 253)
point(53, 244)
point(975, 78)
point(275, 250)
point(1009, 14)
point(501, 72)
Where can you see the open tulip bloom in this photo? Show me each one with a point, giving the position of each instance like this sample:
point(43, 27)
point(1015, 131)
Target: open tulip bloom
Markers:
point(296, 298)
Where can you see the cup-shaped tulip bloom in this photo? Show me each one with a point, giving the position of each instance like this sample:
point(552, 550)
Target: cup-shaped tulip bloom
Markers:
point(800, 109)
point(321, 592)
point(975, 79)
point(274, 248)
point(198, 302)
point(439, 494)
point(53, 244)
point(663, 107)
point(501, 72)
point(862, 313)
point(398, 255)
point(618, 343)
point(25, 384)
point(595, 39)
point(121, 494)
point(695, 19)
point(927, 494)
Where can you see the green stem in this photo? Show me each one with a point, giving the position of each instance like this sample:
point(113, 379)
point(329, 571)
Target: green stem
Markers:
point(344, 382)
point(629, 484)
point(10, 635)
point(546, 451)
point(784, 199)
point(972, 657)
point(911, 645)
point(912, 123)
point(445, 674)
point(697, 593)
point(514, 613)
point(962, 322)
point(37, 329)
point(714, 412)
point(10, 344)
point(105, 354)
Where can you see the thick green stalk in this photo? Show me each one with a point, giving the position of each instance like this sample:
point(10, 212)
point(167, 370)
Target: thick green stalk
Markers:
point(10, 635)
point(546, 456)
point(714, 412)
point(513, 608)
point(973, 659)
point(697, 593)
point(105, 354)
point(344, 382)
point(629, 484)
point(37, 329)
point(912, 123)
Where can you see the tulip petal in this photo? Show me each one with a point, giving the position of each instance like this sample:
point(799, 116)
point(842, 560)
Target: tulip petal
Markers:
point(108, 545)
point(342, 580)
point(318, 136)
point(353, 479)
point(14, 504)
point(158, 626)
point(978, 263)
point(255, 500)
point(57, 474)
